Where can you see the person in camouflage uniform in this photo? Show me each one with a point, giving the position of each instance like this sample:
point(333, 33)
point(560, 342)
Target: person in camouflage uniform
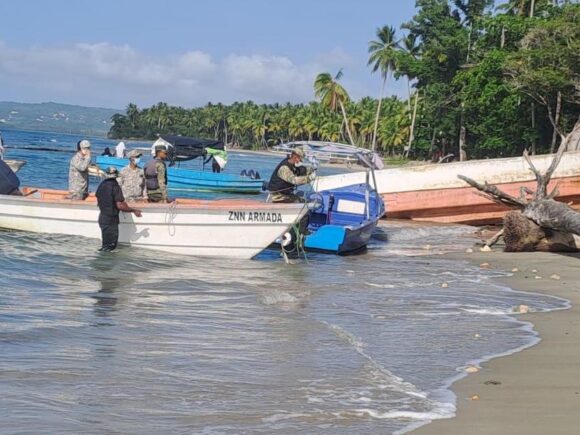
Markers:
point(78, 173)
point(287, 175)
point(156, 176)
point(132, 178)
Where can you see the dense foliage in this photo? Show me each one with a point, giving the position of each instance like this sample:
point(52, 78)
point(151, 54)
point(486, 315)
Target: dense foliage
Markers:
point(488, 82)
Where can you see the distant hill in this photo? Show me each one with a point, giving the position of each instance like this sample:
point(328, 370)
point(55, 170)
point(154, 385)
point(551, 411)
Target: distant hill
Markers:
point(61, 118)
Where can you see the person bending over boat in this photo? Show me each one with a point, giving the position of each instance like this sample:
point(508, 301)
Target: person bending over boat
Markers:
point(111, 200)
point(132, 178)
point(287, 176)
point(156, 176)
point(78, 172)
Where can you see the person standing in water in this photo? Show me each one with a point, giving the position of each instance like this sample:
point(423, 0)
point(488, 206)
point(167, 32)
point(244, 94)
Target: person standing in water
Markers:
point(111, 200)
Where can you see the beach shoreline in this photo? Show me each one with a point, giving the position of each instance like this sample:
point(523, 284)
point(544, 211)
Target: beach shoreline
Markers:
point(535, 390)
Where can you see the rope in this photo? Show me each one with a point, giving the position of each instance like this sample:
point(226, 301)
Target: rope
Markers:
point(170, 217)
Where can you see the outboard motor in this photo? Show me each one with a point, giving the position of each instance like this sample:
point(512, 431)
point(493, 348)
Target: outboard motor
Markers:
point(9, 182)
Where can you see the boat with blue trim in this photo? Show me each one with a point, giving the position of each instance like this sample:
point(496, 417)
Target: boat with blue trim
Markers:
point(189, 179)
point(344, 219)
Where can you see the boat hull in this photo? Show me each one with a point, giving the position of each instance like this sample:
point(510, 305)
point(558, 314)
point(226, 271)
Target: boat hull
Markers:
point(188, 179)
point(223, 228)
point(434, 193)
point(336, 239)
point(465, 205)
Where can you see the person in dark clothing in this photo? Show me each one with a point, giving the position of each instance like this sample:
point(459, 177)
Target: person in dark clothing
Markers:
point(156, 176)
point(110, 200)
point(287, 175)
point(107, 152)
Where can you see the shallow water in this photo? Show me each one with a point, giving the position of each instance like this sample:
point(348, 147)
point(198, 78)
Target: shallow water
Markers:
point(140, 342)
point(144, 342)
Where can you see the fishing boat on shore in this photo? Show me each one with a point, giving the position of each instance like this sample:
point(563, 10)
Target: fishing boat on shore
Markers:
point(434, 193)
point(216, 228)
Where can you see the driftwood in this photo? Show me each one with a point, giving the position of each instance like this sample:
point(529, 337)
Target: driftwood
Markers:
point(541, 222)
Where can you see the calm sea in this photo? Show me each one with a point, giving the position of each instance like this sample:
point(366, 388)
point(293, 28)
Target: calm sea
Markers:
point(141, 342)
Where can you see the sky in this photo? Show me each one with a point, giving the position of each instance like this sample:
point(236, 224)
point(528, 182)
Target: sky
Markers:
point(108, 53)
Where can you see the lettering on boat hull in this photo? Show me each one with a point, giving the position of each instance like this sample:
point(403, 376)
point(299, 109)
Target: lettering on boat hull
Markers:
point(255, 216)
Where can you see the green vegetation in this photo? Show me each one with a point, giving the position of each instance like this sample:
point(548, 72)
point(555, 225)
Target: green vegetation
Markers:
point(482, 83)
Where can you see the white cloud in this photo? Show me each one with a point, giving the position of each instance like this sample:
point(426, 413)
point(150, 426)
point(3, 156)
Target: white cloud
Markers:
point(113, 75)
point(273, 78)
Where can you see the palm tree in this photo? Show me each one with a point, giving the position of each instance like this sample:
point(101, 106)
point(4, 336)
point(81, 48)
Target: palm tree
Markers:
point(382, 57)
point(410, 48)
point(332, 94)
point(133, 114)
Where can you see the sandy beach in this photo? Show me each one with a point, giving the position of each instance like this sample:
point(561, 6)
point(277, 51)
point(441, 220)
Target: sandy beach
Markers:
point(537, 390)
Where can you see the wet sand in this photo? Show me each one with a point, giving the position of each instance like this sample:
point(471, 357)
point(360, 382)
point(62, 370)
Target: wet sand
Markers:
point(537, 390)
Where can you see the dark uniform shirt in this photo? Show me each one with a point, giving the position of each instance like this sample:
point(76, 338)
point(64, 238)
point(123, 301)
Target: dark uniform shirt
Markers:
point(108, 195)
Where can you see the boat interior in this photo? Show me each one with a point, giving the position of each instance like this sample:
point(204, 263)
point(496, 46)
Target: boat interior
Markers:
point(60, 196)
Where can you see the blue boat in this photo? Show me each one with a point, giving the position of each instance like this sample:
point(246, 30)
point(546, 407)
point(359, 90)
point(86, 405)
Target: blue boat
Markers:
point(344, 220)
point(190, 179)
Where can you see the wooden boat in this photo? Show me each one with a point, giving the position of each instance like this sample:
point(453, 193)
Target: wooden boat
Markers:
point(345, 219)
point(196, 180)
point(434, 193)
point(219, 228)
point(15, 165)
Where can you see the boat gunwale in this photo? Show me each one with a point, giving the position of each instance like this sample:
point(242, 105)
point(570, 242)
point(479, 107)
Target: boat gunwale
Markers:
point(178, 204)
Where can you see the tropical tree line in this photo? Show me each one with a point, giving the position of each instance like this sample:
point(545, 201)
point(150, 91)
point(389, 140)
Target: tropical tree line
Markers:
point(482, 82)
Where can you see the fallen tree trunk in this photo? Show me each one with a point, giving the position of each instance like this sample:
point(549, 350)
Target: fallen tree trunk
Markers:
point(541, 222)
point(555, 215)
point(521, 235)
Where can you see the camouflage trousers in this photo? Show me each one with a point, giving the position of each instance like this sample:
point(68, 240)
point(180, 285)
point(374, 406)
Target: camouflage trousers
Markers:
point(286, 197)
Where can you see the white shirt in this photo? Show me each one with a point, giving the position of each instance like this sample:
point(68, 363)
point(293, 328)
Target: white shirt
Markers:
point(120, 150)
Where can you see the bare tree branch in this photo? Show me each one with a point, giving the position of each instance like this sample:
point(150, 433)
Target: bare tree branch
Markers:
point(494, 193)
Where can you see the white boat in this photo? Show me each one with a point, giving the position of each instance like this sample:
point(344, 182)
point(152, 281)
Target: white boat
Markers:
point(15, 165)
point(215, 228)
point(435, 193)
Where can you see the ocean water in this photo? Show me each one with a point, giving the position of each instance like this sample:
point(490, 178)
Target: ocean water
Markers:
point(52, 152)
point(140, 342)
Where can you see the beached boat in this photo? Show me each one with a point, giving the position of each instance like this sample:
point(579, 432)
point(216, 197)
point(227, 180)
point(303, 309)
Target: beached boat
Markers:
point(15, 165)
point(434, 193)
point(220, 228)
point(345, 219)
point(330, 152)
point(189, 179)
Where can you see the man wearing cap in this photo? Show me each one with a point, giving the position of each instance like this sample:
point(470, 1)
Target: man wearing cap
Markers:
point(111, 200)
point(156, 176)
point(78, 172)
point(287, 175)
point(132, 178)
